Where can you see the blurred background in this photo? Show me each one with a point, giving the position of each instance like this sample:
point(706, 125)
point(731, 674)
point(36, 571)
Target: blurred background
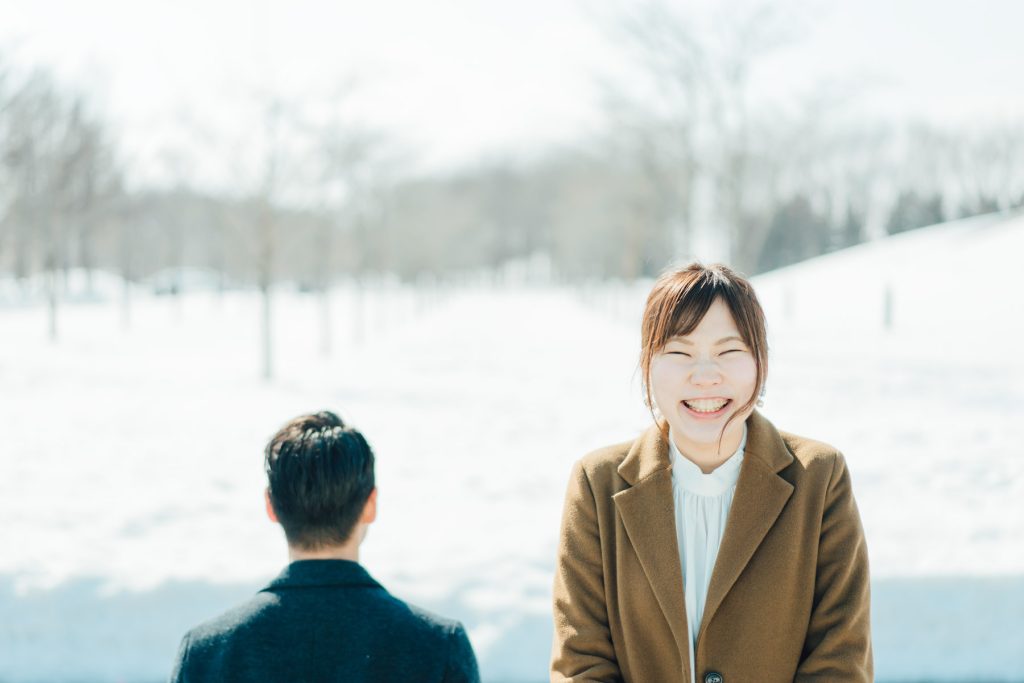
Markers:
point(441, 221)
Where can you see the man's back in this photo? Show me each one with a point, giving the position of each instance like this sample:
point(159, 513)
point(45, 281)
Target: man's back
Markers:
point(326, 620)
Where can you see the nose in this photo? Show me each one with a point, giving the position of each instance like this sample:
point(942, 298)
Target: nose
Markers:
point(705, 373)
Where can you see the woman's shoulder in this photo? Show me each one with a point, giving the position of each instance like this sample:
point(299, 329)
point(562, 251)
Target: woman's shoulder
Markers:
point(806, 449)
point(813, 456)
point(606, 457)
point(630, 460)
point(764, 437)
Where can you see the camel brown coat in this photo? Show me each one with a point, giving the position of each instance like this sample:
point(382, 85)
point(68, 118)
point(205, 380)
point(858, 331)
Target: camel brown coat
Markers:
point(789, 595)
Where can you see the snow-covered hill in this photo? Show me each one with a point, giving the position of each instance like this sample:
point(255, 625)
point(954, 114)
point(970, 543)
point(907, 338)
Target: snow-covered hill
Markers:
point(131, 481)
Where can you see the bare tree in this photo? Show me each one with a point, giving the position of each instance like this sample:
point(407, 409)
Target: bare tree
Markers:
point(669, 131)
point(341, 156)
point(700, 68)
point(8, 191)
point(32, 155)
point(266, 223)
point(90, 183)
point(985, 168)
point(128, 218)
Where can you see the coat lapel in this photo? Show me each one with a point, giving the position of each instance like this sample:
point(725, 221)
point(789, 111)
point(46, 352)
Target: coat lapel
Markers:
point(647, 511)
point(759, 499)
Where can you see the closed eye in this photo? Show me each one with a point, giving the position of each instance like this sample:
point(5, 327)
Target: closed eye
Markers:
point(732, 351)
point(678, 353)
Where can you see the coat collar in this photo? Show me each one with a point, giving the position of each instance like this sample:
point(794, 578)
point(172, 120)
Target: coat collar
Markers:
point(647, 511)
point(650, 452)
point(311, 573)
point(765, 442)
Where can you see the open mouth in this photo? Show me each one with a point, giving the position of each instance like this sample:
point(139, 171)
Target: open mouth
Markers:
point(707, 407)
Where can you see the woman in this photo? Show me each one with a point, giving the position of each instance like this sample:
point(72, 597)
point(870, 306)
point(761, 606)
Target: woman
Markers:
point(714, 547)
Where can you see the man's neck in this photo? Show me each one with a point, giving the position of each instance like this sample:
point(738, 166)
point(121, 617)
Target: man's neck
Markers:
point(349, 551)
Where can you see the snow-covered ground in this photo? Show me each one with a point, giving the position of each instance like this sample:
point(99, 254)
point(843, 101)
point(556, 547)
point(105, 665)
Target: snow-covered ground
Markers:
point(131, 474)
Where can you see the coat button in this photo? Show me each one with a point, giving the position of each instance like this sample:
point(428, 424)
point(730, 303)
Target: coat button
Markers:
point(713, 677)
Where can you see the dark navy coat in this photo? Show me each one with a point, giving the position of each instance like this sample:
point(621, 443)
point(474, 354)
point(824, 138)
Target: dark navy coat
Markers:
point(326, 621)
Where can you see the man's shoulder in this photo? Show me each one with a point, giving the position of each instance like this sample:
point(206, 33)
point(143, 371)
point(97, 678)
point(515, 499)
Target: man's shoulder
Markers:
point(430, 620)
point(217, 629)
point(268, 605)
point(459, 661)
point(353, 625)
point(404, 617)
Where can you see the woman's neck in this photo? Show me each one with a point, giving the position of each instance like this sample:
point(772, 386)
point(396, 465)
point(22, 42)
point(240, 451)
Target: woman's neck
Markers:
point(708, 456)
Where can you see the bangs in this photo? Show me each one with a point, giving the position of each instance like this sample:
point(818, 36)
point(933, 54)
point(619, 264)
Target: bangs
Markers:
point(685, 315)
point(685, 305)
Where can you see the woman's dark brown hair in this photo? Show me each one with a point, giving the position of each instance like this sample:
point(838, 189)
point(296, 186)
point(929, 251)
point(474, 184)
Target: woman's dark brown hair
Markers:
point(678, 302)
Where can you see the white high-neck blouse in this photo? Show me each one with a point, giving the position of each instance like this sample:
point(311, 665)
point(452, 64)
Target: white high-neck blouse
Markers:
point(702, 504)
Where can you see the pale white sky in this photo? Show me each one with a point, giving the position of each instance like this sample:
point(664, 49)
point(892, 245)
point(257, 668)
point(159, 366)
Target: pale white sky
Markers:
point(457, 80)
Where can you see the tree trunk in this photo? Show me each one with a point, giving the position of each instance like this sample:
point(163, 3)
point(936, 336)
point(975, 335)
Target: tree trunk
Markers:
point(326, 327)
point(265, 332)
point(51, 297)
point(358, 305)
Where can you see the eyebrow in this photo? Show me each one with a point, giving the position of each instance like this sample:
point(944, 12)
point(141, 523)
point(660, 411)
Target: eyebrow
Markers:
point(684, 340)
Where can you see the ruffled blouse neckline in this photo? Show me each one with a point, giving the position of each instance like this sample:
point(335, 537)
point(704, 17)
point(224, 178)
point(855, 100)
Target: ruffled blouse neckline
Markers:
point(689, 476)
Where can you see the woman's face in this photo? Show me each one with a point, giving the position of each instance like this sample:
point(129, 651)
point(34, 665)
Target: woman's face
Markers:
point(700, 380)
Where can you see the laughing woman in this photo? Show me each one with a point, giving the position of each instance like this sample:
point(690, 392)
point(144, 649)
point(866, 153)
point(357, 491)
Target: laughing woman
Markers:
point(714, 548)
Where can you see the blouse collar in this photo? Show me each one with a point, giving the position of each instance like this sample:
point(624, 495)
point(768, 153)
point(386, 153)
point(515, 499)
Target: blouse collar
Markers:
point(687, 475)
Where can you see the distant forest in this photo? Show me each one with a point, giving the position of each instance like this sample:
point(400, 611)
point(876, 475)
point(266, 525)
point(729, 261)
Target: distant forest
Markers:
point(691, 156)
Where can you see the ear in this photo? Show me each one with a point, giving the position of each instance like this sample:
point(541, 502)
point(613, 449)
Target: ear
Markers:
point(369, 509)
point(271, 515)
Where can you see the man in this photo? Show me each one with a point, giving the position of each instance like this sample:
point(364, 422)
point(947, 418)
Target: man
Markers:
point(324, 618)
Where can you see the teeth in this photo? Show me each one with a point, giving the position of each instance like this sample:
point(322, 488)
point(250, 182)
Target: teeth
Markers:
point(705, 405)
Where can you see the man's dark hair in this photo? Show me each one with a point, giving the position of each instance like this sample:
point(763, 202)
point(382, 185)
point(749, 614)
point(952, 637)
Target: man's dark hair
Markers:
point(319, 474)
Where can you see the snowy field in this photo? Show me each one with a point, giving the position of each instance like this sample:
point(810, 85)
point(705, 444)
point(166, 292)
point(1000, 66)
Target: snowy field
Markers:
point(131, 485)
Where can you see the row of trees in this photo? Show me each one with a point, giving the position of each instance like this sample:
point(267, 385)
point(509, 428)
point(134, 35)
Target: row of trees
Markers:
point(59, 180)
point(692, 162)
point(763, 179)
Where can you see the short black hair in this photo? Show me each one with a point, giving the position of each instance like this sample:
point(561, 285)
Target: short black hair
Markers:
point(319, 475)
